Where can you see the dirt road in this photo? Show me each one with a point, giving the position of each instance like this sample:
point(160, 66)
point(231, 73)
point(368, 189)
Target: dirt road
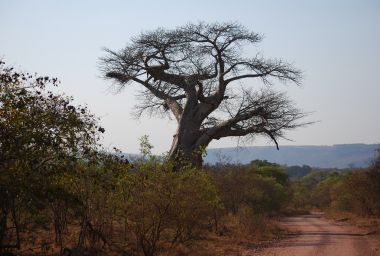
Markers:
point(313, 235)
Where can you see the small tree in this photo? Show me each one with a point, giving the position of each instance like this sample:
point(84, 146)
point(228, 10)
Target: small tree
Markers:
point(194, 72)
point(41, 137)
point(165, 207)
point(145, 147)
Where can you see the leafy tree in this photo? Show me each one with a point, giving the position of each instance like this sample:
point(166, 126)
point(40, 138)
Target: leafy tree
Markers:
point(322, 194)
point(145, 147)
point(303, 188)
point(268, 169)
point(241, 186)
point(312, 179)
point(296, 172)
point(262, 163)
point(41, 136)
point(196, 72)
point(364, 189)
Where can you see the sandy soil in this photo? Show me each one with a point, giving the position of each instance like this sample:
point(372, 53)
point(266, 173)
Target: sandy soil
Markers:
point(313, 235)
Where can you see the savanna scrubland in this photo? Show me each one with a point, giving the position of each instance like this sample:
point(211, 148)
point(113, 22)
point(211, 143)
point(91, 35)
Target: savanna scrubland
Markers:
point(61, 193)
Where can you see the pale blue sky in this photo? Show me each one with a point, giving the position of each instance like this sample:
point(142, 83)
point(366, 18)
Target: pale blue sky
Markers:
point(335, 43)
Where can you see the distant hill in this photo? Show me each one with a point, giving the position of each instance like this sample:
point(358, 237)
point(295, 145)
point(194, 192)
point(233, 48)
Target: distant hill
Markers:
point(336, 156)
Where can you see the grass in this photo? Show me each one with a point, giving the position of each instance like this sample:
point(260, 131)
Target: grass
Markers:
point(239, 234)
point(236, 236)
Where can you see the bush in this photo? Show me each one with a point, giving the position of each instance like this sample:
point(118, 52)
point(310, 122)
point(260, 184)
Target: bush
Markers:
point(364, 191)
point(357, 191)
point(241, 186)
point(322, 194)
point(42, 135)
point(166, 207)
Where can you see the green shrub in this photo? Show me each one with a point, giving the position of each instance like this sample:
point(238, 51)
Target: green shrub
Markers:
point(163, 206)
point(240, 186)
point(322, 195)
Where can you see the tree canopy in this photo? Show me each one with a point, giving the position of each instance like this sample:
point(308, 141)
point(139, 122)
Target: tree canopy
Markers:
point(42, 136)
point(196, 73)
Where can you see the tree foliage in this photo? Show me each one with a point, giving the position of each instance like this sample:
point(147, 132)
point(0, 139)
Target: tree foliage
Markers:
point(41, 136)
point(242, 186)
point(162, 206)
point(355, 191)
point(55, 176)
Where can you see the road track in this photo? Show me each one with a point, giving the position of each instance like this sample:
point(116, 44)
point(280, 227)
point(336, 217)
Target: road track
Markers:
point(313, 235)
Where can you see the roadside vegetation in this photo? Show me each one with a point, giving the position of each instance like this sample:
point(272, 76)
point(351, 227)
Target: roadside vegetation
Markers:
point(350, 195)
point(61, 193)
point(354, 191)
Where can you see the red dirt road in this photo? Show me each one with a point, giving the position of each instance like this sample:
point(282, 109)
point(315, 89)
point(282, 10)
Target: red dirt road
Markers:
point(313, 235)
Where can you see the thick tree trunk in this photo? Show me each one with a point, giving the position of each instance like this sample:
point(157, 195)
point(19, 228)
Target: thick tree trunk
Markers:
point(184, 154)
point(185, 148)
point(192, 84)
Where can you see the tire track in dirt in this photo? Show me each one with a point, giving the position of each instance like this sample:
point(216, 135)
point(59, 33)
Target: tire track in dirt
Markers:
point(313, 235)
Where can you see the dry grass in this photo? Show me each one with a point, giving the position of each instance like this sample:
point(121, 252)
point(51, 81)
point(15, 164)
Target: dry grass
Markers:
point(237, 235)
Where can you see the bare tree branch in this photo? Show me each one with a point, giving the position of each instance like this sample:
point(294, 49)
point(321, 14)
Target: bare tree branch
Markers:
point(268, 113)
point(190, 70)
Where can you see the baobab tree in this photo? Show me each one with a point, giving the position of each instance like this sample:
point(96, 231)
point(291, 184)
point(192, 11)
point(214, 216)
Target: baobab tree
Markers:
point(199, 74)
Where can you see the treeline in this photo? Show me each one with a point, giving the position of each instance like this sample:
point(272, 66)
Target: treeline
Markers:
point(354, 191)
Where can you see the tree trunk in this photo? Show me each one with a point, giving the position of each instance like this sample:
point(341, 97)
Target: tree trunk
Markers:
point(185, 153)
point(185, 149)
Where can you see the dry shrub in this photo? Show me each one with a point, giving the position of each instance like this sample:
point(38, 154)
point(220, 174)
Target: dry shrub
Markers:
point(240, 186)
point(247, 225)
point(256, 225)
point(164, 208)
point(365, 192)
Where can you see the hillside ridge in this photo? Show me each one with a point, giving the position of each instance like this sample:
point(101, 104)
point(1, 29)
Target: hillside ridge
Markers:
point(357, 155)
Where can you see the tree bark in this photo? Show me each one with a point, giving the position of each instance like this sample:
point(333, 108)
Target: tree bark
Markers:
point(186, 145)
point(185, 149)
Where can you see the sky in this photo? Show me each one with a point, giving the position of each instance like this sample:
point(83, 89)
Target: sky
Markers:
point(335, 43)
